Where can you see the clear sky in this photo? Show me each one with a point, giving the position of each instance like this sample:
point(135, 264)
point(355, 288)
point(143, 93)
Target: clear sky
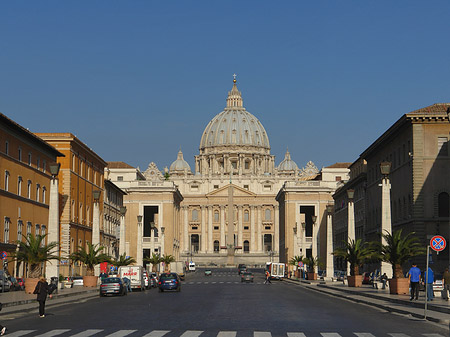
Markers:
point(137, 80)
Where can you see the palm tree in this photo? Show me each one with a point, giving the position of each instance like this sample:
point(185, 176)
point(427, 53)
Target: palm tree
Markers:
point(312, 263)
point(123, 260)
point(399, 249)
point(167, 259)
point(34, 252)
point(356, 253)
point(154, 261)
point(294, 262)
point(90, 257)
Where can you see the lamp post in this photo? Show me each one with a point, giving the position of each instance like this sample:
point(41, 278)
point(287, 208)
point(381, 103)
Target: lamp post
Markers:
point(139, 256)
point(162, 241)
point(52, 267)
point(386, 224)
point(330, 267)
point(123, 211)
point(350, 221)
point(315, 243)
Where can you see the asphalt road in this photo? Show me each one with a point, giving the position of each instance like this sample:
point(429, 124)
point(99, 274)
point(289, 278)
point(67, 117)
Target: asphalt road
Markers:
point(220, 305)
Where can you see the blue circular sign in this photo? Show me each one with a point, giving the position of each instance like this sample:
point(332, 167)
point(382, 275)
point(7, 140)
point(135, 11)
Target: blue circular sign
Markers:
point(4, 255)
point(438, 243)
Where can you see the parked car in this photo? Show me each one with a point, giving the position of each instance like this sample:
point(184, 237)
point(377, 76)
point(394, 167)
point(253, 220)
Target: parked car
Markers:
point(208, 272)
point(247, 277)
point(153, 280)
point(113, 286)
point(77, 280)
point(21, 282)
point(14, 283)
point(438, 285)
point(5, 284)
point(68, 282)
point(169, 281)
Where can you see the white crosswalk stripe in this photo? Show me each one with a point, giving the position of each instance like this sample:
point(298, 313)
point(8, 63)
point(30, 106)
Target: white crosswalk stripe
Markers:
point(398, 335)
point(20, 333)
point(330, 334)
point(191, 333)
point(121, 333)
point(262, 334)
point(87, 333)
point(157, 333)
point(227, 334)
point(55, 332)
point(296, 334)
point(364, 334)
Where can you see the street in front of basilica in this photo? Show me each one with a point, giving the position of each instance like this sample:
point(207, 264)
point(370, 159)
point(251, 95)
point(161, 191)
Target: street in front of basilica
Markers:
point(220, 305)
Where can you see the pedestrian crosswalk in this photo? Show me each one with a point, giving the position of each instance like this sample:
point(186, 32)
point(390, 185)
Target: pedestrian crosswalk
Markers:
point(223, 282)
point(190, 333)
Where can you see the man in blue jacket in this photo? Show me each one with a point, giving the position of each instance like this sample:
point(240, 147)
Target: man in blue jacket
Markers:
point(414, 279)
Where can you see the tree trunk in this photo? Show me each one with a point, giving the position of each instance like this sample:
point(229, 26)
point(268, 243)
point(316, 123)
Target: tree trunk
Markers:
point(397, 271)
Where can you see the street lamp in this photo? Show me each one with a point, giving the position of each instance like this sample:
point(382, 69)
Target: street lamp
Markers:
point(54, 169)
point(350, 194)
point(123, 210)
point(385, 168)
point(330, 208)
point(139, 219)
point(295, 230)
point(96, 195)
point(386, 224)
point(314, 219)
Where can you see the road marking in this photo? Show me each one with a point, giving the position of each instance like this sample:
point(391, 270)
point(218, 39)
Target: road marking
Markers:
point(363, 334)
point(214, 282)
point(157, 333)
point(221, 282)
point(191, 333)
point(330, 334)
point(121, 333)
point(226, 334)
point(262, 334)
point(398, 335)
point(55, 332)
point(432, 335)
point(88, 333)
point(296, 334)
point(20, 333)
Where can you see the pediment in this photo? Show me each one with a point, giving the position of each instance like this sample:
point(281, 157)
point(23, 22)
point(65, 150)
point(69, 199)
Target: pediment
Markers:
point(237, 192)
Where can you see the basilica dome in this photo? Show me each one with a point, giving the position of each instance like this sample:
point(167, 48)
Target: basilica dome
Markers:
point(180, 164)
point(234, 126)
point(287, 164)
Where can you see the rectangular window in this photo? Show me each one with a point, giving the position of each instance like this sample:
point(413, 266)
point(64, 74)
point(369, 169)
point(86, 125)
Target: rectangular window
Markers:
point(29, 158)
point(267, 188)
point(338, 178)
point(44, 166)
point(6, 181)
point(216, 187)
point(216, 228)
point(247, 165)
point(119, 178)
point(38, 191)
point(20, 154)
point(29, 225)
point(29, 189)
point(234, 164)
point(246, 228)
point(19, 229)
point(37, 230)
point(194, 187)
point(6, 230)
point(246, 187)
point(44, 194)
point(216, 216)
point(246, 216)
point(43, 230)
point(38, 163)
point(19, 186)
point(442, 146)
point(7, 148)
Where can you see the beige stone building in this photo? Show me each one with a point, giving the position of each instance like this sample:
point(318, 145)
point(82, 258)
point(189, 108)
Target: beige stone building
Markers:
point(193, 209)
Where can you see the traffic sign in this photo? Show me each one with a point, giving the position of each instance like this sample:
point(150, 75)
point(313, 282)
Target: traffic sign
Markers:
point(4, 255)
point(437, 243)
point(300, 264)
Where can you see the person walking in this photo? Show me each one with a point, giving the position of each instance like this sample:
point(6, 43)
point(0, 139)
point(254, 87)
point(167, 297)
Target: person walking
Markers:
point(446, 289)
point(42, 290)
point(429, 285)
point(414, 280)
point(383, 280)
point(267, 277)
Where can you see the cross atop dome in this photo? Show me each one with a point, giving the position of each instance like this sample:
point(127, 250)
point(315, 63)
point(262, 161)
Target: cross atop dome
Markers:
point(234, 78)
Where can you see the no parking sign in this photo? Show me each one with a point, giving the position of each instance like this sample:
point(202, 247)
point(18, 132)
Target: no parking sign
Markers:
point(438, 243)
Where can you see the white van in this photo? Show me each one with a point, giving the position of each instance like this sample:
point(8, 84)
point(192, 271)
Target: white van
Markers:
point(135, 275)
point(191, 266)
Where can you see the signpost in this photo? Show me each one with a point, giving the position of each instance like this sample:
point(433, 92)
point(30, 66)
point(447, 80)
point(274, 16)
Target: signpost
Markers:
point(438, 244)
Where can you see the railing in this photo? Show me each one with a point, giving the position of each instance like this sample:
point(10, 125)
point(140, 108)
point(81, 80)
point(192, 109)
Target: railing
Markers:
point(308, 240)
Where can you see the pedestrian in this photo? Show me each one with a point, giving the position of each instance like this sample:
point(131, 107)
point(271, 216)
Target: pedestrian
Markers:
point(2, 328)
point(414, 279)
point(446, 289)
point(290, 274)
point(42, 290)
point(383, 280)
point(267, 277)
point(429, 279)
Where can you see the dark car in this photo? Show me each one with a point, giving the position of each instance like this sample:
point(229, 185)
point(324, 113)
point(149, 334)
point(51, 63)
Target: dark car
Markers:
point(113, 286)
point(169, 281)
point(247, 277)
point(242, 268)
point(14, 283)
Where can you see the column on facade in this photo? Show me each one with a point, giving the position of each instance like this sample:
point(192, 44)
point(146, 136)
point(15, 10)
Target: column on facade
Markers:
point(96, 230)
point(210, 229)
point(386, 225)
point(222, 226)
point(276, 236)
point(52, 266)
point(315, 240)
point(330, 268)
point(252, 229)
point(258, 226)
point(203, 224)
point(240, 227)
point(350, 226)
point(139, 254)
point(185, 230)
point(122, 235)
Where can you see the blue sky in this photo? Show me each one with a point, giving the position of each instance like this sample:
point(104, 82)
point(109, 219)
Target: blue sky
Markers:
point(137, 80)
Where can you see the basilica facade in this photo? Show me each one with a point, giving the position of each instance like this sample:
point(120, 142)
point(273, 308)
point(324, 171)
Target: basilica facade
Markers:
point(231, 200)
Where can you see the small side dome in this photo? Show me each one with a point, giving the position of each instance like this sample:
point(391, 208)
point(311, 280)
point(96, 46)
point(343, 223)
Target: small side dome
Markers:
point(287, 164)
point(180, 165)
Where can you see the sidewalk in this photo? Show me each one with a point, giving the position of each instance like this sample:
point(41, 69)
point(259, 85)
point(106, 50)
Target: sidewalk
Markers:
point(17, 301)
point(438, 310)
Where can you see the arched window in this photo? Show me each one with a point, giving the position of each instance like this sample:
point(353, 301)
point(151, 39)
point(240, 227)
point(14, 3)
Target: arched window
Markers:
point(216, 216)
point(246, 217)
point(216, 246)
point(443, 205)
point(194, 215)
point(268, 215)
point(246, 246)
